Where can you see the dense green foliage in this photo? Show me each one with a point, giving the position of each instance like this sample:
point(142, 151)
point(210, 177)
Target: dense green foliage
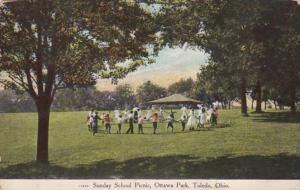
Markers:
point(183, 86)
point(252, 45)
point(48, 45)
point(149, 91)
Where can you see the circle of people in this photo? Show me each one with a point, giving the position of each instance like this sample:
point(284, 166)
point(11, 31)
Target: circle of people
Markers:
point(188, 119)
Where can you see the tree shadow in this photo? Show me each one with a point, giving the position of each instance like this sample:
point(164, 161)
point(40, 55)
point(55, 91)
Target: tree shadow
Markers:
point(280, 166)
point(279, 117)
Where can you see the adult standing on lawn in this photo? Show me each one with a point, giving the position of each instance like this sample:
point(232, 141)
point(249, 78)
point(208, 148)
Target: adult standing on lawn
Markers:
point(130, 121)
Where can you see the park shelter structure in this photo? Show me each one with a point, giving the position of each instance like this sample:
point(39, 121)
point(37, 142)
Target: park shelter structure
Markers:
point(174, 99)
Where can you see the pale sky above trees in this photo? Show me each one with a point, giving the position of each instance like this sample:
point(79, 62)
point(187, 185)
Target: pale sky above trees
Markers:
point(171, 65)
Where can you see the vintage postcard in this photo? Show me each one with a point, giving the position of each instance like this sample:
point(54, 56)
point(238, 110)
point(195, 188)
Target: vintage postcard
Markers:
point(149, 94)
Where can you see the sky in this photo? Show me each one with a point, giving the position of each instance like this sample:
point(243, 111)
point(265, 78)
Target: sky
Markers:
point(171, 65)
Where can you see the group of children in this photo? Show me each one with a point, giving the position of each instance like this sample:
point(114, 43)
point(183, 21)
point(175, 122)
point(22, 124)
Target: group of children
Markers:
point(192, 121)
point(135, 117)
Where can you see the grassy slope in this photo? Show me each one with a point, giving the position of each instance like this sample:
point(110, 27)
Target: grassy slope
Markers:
point(260, 146)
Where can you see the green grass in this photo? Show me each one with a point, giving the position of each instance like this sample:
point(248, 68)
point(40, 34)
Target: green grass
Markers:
point(260, 146)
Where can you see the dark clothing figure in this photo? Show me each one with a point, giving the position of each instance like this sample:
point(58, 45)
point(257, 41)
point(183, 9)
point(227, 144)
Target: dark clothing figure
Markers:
point(170, 124)
point(213, 119)
point(135, 116)
point(130, 129)
point(95, 124)
point(172, 115)
point(170, 120)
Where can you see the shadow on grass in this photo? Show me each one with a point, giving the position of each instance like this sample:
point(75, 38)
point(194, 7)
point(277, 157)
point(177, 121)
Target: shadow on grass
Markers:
point(282, 117)
point(178, 166)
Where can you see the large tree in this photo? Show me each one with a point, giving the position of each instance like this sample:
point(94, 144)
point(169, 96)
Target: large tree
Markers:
point(251, 39)
point(46, 45)
point(218, 83)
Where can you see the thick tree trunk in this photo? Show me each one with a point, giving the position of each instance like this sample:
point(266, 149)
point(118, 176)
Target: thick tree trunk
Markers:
point(43, 108)
point(258, 97)
point(292, 98)
point(243, 97)
point(252, 103)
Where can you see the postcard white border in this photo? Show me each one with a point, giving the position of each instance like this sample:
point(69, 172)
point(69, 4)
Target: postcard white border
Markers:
point(128, 184)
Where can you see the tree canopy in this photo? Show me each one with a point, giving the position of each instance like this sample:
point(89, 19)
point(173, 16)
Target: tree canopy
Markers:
point(47, 45)
point(149, 91)
point(251, 43)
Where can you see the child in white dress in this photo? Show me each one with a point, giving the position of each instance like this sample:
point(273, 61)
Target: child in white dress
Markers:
point(126, 116)
point(161, 114)
point(202, 117)
point(148, 115)
point(192, 121)
point(117, 113)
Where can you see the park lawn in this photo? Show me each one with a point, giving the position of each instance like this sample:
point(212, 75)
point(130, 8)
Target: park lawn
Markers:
point(261, 146)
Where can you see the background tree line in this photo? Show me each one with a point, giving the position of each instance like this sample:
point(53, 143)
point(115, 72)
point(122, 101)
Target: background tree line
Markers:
point(85, 98)
point(206, 87)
